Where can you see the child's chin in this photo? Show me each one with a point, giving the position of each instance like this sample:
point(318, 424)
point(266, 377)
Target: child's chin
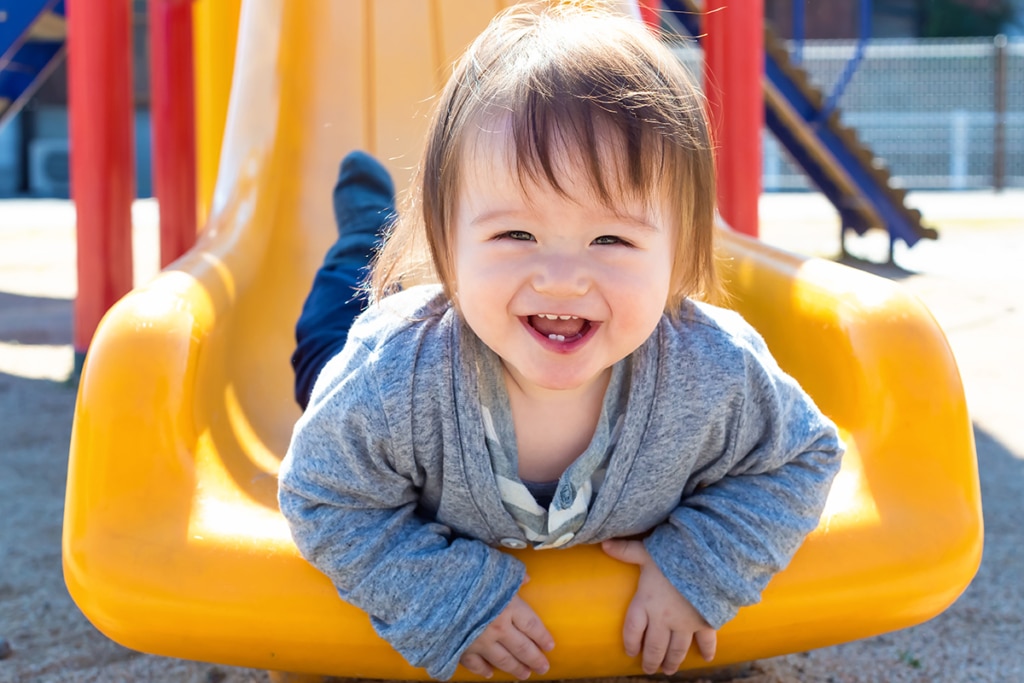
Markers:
point(560, 381)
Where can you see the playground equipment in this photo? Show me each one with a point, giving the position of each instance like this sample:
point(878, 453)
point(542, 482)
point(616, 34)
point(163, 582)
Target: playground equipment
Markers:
point(173, 543)
point(32, 34)
point(808, 125)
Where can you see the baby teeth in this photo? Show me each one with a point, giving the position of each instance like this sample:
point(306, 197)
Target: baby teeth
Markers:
point(556, 337)
point(552, 316)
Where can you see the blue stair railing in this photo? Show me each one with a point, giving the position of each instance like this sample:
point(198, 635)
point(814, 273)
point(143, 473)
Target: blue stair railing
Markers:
point(32, 43)
point(808, 125)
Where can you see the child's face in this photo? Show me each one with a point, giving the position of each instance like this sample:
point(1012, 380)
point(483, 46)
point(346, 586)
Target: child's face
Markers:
point(561, 288)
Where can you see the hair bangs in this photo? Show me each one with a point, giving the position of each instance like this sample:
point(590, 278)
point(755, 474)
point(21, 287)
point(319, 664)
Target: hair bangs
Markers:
point(554, 139)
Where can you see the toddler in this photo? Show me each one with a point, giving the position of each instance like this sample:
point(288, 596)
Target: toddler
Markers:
point(564, 382)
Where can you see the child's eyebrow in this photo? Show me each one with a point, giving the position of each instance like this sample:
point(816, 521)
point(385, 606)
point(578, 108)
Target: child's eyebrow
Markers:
point(636, 221)
point(497, 214)
point(629, 219)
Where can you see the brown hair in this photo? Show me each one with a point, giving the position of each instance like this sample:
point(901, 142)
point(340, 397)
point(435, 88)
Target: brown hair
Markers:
point(566, 77)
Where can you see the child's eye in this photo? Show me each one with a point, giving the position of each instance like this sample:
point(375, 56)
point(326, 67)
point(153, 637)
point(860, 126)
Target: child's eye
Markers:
point(518, 235)
point(610, 239)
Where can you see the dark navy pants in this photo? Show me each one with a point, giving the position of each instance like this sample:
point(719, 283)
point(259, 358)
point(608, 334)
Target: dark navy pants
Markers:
point(364, 205)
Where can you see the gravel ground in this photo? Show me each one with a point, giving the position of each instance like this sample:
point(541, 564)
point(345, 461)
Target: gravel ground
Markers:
point(972, 279)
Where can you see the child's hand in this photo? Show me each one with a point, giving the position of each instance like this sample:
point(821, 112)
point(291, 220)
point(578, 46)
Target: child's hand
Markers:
point(659, 618)
point(515, 643)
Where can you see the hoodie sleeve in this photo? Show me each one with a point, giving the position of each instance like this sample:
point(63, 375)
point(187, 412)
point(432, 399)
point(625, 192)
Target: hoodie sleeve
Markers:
point(351, 503)
point(751, 509)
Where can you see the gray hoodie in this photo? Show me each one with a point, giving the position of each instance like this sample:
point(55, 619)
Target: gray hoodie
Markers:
point(722, 460)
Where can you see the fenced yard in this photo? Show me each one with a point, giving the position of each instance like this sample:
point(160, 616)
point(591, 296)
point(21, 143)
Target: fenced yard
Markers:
point(944, 114)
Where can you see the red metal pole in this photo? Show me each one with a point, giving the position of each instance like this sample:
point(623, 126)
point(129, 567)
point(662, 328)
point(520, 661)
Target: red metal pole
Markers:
point(649, 14)
point(102, 156)
point(172, 103)
point(733, 69)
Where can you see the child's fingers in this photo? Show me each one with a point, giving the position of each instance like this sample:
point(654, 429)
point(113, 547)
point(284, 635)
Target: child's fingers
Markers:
point(528, 623)
point(656, 642)
point(477, 664)
point(516, 660)
point(707, 643)
point(522, 635)
point(632, 552)
point(678, 646)
point(633, 628)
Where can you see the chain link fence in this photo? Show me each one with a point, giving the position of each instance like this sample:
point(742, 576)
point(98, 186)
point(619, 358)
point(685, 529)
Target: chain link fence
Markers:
point(944, 114)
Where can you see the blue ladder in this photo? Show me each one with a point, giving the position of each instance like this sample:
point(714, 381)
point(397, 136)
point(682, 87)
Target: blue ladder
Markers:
point(32, 44)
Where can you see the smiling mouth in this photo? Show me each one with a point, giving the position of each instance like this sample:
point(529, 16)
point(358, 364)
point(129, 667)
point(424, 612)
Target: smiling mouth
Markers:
point(558, 327)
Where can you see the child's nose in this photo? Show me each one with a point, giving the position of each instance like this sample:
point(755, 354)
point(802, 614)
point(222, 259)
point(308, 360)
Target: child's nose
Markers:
point(562, 276)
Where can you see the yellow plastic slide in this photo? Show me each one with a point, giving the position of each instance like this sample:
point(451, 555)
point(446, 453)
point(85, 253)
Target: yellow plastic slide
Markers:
point(173, 543)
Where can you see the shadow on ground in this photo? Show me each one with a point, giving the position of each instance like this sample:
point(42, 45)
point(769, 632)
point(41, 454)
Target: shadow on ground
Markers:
point(886, 269)
point(34, 320)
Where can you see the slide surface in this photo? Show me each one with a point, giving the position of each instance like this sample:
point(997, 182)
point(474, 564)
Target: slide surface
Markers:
point(173, 543)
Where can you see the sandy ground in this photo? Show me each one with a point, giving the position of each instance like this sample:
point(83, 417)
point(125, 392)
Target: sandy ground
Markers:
point(972, 280)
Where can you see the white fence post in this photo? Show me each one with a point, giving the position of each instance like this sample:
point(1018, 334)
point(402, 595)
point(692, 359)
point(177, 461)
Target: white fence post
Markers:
point(958, 149)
